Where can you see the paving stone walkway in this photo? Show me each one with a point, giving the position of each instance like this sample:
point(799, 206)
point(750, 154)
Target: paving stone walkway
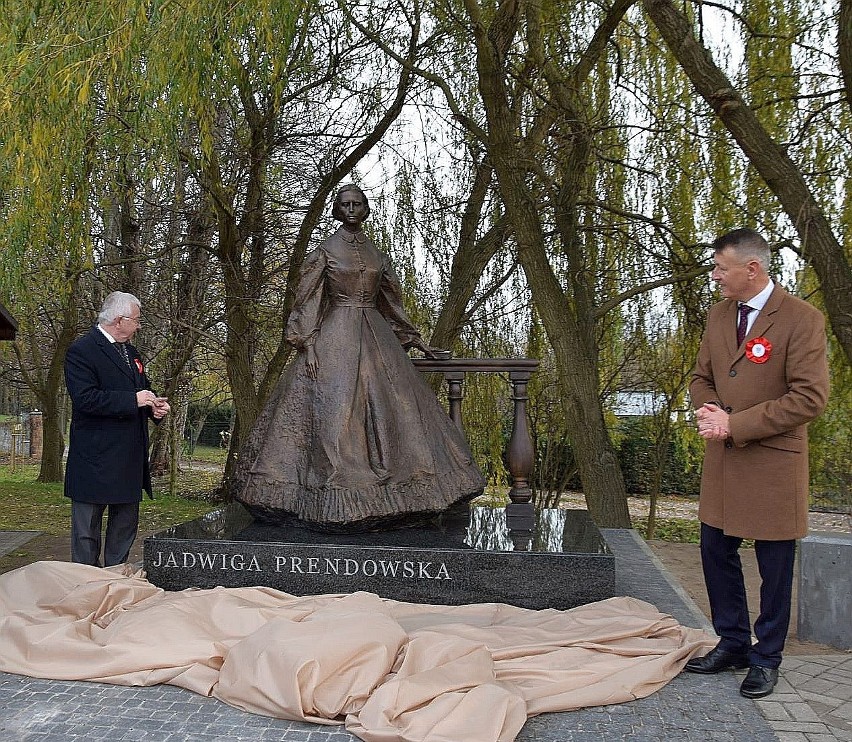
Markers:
point(813, 701)
point(11, 540)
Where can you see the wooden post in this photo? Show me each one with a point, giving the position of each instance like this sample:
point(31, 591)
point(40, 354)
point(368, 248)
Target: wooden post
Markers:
point(17, 435)
point(36, 434)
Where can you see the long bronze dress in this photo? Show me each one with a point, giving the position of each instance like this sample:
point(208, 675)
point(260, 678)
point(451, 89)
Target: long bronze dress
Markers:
point(366, 444)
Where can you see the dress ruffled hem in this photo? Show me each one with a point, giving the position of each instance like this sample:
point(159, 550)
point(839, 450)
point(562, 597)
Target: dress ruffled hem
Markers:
point(340, 509)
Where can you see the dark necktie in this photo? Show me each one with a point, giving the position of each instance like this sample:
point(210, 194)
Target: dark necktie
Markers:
point(122, 350)
point(745, 310)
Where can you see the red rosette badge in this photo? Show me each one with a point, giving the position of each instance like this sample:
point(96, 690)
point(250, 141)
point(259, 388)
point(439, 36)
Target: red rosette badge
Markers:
point(139, 366)
point(758, 350)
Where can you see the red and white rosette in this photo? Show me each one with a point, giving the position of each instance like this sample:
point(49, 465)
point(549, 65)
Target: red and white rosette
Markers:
point(139, 366)
point(758, 350)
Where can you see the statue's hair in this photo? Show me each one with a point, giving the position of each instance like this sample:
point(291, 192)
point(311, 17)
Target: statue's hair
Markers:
point(746, 244)
point(336, 211)
point(117, 304)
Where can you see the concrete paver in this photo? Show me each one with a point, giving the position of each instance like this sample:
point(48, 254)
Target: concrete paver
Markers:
point(11, 540)
point(813, 701)
point(816, 698)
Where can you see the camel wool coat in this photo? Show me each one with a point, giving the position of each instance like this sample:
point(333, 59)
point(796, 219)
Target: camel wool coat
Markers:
point(755, 484)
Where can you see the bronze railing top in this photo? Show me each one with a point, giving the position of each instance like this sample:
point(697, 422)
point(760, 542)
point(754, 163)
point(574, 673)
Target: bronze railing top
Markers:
point(483, 365)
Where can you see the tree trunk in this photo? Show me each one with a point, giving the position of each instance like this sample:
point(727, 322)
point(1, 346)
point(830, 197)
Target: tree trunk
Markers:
point(48, 389)
point(597, 460)
point(242, 284)
point(189, 305)
point(54, 442)
point(820, 246)
point(131, 250)
point(603, 483)
point(239, 343)
point(844, 46)
point(470, 260)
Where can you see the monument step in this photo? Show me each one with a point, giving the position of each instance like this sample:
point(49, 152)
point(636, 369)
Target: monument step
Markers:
point(456, 561)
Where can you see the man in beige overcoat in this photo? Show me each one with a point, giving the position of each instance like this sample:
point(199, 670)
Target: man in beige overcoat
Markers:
point(760, 378)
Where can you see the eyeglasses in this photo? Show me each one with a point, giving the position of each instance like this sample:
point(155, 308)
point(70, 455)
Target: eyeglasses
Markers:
point(137, 320)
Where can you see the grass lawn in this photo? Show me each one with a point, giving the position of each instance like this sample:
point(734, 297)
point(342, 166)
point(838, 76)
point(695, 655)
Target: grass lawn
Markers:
point(28, 505)
point(673, 530)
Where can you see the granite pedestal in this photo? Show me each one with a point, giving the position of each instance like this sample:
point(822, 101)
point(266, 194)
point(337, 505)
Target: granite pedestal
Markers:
point(825, 589)
point(455, 561)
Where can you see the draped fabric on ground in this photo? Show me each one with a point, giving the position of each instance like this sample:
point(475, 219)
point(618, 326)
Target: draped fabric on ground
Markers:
point(391, 671)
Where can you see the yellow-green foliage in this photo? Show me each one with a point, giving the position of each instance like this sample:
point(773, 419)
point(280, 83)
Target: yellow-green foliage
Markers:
point(85, 85)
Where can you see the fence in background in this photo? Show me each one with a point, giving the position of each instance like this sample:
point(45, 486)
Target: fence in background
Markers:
point(22, 437)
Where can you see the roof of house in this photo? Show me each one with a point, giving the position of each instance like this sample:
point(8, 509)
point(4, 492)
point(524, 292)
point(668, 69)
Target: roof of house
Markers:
point(8, 325)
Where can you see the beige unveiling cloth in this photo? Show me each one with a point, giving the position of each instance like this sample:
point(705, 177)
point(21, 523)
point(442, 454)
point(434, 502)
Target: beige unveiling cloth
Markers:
point(389, 671)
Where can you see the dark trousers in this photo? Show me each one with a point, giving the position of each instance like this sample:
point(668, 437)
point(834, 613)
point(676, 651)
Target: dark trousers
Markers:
point(86, 520)
point(723, 576)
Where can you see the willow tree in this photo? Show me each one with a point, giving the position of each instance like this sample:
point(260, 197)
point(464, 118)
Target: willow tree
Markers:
point(523, 97)
point(688, 171)
point(283, 106)
point(537, 107)
point(239, 117)
point(188, 153)
point(752, 128)
point(53, 137)
point(90, 127)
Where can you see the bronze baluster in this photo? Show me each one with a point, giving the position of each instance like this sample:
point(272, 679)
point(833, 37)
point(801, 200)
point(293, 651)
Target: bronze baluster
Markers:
point(520, 513)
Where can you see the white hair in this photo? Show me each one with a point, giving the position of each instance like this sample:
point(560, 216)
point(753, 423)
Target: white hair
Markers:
point(117, 304)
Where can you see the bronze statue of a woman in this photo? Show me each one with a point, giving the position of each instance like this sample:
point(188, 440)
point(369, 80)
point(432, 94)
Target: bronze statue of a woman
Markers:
point(352, 438)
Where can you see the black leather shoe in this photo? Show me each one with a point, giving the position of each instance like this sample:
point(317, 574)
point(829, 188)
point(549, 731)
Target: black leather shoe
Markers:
point(717, 660)
point(759, 682)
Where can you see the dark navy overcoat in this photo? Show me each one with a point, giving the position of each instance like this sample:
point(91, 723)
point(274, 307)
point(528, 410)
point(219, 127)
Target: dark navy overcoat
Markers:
point(108, 451)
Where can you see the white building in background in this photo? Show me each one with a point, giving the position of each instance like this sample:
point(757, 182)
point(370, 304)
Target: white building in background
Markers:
point(628, 403)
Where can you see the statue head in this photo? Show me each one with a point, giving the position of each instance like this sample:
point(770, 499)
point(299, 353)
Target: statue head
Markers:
point(336, 209)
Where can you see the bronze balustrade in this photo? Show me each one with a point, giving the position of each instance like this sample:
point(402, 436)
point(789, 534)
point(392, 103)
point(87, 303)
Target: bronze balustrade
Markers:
point(520, 455)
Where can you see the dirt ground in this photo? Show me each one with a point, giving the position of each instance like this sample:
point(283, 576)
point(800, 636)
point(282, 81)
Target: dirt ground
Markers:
point(683, 561)
point(54, 548)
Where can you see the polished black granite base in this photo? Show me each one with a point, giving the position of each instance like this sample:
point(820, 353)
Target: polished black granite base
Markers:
point(457, 560)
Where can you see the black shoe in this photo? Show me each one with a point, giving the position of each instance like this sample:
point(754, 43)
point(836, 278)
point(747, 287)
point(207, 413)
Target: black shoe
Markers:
point(759, 682)
point(717, 660)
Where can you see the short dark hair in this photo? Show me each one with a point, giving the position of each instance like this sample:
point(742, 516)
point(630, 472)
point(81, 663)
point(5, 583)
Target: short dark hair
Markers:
point(747, 244)
point(335, 207)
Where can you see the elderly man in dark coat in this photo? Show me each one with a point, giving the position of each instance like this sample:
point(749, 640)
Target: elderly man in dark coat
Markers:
point(760, 378)
point(112, 402)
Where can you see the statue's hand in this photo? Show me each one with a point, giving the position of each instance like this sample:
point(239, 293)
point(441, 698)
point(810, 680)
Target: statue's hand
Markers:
point(428, 350)
point(431, 352)
point(311, 362)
